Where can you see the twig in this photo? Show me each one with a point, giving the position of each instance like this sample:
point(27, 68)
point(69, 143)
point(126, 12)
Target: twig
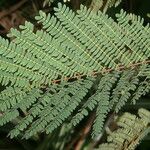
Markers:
point(105, 70)
point(12, 9)
point(85, 132)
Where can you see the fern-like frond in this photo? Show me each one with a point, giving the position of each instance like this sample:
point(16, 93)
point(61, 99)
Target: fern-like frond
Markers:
point(52, 109)
point(125, 86)
point(21, 101)
point(71, 44)
point(133, 26)
point(131, 131)
point(99, 99)
point(83, 46)
point(142, 89)
point(10, 97)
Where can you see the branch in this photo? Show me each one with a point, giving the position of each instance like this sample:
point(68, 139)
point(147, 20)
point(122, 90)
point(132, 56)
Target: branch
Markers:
point(85, 132)
point(105, 70)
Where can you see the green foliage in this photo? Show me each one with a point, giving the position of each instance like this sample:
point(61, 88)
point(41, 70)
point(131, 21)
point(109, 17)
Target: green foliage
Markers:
point(70, 49)
point(131, 131)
